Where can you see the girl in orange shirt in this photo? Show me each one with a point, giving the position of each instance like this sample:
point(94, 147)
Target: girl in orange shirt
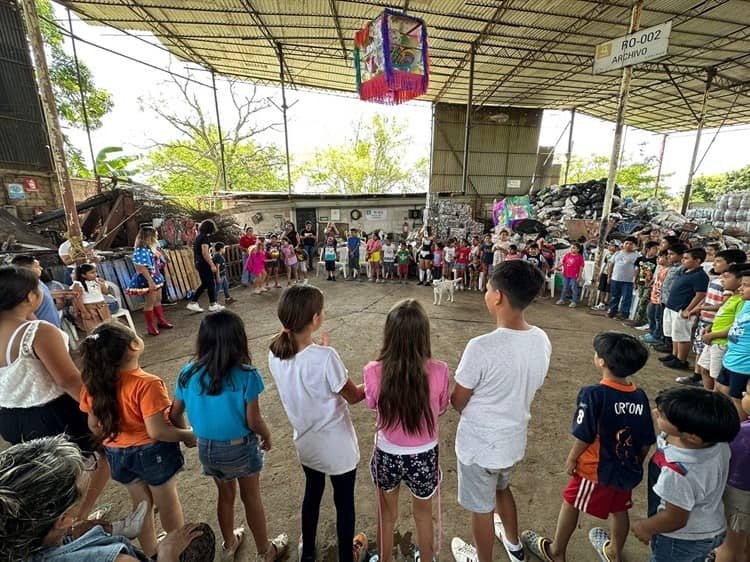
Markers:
point(128, 410)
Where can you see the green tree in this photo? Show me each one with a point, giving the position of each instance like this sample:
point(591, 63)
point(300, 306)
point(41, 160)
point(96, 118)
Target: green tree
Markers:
point(111, 163)
point(371, 162)
point(710, 187)
point(65, 86)
point(635, 179)
point(190, 166)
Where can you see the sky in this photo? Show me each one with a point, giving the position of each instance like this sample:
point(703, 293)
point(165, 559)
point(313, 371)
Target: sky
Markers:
point(317, 119)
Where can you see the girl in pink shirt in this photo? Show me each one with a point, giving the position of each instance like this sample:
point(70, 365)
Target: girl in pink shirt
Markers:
point(572, 266)
point(256, 265)
point(408, 390)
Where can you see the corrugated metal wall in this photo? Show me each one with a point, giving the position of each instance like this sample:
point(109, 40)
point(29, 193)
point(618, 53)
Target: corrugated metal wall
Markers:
point(23, 138)
point(502, 153)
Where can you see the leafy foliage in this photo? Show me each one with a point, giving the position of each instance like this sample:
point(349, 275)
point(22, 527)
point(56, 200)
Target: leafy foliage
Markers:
point(190, 167)
point(372, 162)
point(111, 165)
point(65, 86)
point(711, 187)
point(636, 179)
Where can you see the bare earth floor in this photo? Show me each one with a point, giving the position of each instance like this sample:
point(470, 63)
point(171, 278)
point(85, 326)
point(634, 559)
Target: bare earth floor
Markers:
point(355, 313)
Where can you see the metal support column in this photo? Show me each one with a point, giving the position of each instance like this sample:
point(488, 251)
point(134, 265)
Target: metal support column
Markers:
point(467, 131)
point(57, 148)
point(221, 134)
point(627, 74)
point(570, 144)
point(284, 108)
point(710, 74)
point(661, 161)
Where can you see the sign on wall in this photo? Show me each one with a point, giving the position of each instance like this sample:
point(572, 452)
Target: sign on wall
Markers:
point(375, 214)
point(641, 46)
point(15, 191)
point(31, 185)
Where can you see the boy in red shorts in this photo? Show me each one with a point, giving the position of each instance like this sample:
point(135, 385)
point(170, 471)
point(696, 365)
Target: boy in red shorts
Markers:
point(613, 431)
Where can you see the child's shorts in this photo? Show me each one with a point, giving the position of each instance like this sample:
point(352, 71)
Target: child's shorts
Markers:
point(420, 472)
point(698, 344)
point(330, 265)
point(459, 266)
point(155, 463)
point(353, 262)
point(228, 460)
point(403, 270)
point(596, 500)
point(389, 267)
point(737, 382)
point(676, 327)
point(711, 358)
point(737, 509)
point(478, 485)
point(667, 549)
point(603, 283)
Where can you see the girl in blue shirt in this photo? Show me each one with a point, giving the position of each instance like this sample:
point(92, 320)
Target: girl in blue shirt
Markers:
point(220, 392)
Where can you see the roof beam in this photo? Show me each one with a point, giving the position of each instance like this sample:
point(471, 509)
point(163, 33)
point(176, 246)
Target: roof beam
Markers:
point(272, 41)
point(337, 23)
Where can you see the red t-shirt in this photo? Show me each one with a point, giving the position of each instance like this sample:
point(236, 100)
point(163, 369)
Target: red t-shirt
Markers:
point(247, 241)
point(462, 255)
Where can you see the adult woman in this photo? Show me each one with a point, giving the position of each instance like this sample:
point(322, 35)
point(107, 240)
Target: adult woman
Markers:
point(40, 483)
point(246, 241)
point(148, 281)
point(291, 234)
point(40, 385)
point(206, 268)
point(425, 256)
point(309, 239)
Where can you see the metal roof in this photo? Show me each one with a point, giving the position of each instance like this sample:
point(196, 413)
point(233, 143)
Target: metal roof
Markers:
point(529, 53)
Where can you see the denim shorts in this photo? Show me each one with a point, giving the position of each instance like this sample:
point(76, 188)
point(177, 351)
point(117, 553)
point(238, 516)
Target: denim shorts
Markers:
point(420, 472)
point(229, 460)
point(667, 549)
point(155, 463)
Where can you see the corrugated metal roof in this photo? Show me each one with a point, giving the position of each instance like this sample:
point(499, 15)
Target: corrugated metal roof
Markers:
point(530, 53)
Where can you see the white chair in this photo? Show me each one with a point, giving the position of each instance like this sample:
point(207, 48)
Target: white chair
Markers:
point(114, 290)
point(551, 278)
point(342, 255)
point(588, 276)
point(321, 263)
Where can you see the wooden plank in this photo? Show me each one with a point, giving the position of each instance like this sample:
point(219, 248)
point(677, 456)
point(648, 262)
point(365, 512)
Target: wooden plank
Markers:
point(178, 274)
point(175, 290)
point(188, 266)
point(234, 263)
point(124, 275)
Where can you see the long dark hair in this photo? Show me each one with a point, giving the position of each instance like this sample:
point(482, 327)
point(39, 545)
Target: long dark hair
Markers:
point(102, 354)
point(17, 282)
point(82, 270)
point(298, 306)
point(221, 346)
point(404, 388)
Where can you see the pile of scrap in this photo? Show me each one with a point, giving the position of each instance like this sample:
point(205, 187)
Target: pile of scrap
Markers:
point(557, 203)
point(450, 219)
point(16, 236)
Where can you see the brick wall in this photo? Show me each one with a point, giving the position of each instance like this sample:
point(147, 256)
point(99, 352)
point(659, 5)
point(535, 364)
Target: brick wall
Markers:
point(29, 203)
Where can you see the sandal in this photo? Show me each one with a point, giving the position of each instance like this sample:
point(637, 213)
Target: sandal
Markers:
point(537, 544)
point(599, 539)
point(279, 544)
point(100, 512)
point(228, 554)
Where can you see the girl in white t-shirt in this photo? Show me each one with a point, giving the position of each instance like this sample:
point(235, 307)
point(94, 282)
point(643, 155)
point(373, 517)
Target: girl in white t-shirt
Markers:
point(314, 388)
point(91, 308)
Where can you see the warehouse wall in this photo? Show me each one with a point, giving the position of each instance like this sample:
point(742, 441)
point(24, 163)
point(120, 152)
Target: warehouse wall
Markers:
point(503, 154)
point(23, 203)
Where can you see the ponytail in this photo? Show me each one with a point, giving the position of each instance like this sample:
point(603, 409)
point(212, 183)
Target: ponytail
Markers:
point(297, 308)
point(102, 353)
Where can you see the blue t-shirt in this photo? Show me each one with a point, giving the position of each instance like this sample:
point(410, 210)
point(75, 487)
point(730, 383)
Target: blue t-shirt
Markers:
point(221, 417)
point(353, 243)
point(684, 287)
point(616, 421)
point(737, 357)
point(47, 310)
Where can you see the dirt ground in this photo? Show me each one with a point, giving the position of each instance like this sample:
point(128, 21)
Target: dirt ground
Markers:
point(355, 314)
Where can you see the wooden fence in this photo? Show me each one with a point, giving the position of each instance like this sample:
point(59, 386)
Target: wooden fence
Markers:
point(181, 276)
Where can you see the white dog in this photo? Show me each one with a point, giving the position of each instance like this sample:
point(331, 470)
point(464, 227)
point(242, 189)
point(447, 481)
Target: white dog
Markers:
point(442, 286)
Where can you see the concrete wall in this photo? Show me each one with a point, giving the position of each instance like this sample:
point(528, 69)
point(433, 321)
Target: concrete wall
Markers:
point(31, 203)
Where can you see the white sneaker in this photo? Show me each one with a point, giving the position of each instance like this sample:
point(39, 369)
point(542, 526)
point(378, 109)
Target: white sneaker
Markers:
point(642, 328)
point(500, 535)
point(463, 551)
point(130, 527)
point(599, 306)
point(572, 305)
point(216, 307)
point(194, 307)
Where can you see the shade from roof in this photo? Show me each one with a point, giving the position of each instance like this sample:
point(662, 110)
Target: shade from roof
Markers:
point(529, 53)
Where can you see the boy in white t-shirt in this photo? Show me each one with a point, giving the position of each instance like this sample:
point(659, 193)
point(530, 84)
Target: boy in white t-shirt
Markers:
point(496, 380)
point(389, 260)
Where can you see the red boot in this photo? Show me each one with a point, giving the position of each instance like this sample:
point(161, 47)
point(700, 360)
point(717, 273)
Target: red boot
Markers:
point(150, 326)
point(161, 321)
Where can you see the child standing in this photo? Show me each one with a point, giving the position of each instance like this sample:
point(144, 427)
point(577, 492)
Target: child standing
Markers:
point(735, 366)
point(654, 311)
point(603, 297)
point(352, 244)
point(129, 409)
point(613, 432)
point(90, 291)
point(273, 256)
point(449, 260)
point(374, 248)
point(329, 257)
point(290, 261)
point(475, 270)
point(496, 380)
point(437, 261)
point(501, 248)
point(389, 258)
point(674, 256)
point(301, 262)
point(314, 388)
point(408, 390)
point(572, 267)
point(487, 259)
point(462, 261)
point(220, 391)
point(222, 282)
point(513, 253)
point(148, 280)
point(256, 265)
point(687, 474)
point(645, 266)
point(403, 256)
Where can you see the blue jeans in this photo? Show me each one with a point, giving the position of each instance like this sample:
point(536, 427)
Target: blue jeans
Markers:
point(569, 283)
point(311, 259)
point(223, 285)
point(245, 279)
point(622, 295)
point(655, 313)
point(667, 549)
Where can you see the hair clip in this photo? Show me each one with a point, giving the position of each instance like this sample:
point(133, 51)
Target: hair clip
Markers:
point(92, 337)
